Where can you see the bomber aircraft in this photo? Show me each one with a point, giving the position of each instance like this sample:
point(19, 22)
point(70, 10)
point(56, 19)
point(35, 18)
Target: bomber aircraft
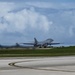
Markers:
point(42, 43)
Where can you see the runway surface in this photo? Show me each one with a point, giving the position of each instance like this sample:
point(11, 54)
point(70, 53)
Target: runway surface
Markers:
point(38, 66)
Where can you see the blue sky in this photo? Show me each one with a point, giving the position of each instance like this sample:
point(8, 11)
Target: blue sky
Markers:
point(40, 0)
point(22, 20)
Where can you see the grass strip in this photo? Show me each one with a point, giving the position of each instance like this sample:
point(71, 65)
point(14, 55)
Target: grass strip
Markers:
point(61, 51)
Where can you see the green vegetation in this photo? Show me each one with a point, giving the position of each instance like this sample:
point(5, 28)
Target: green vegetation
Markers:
point(62, 51)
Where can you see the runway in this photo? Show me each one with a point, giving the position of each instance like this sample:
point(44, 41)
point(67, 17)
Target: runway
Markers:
point(38, 66)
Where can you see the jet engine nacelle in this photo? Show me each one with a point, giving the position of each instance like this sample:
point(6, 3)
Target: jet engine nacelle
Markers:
point(45, 45)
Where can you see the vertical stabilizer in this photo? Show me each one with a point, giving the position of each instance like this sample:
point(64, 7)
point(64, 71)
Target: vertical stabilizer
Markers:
point(35, 41)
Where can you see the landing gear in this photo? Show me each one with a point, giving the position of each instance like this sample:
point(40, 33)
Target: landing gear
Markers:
point(40, 47)
point(45, 46)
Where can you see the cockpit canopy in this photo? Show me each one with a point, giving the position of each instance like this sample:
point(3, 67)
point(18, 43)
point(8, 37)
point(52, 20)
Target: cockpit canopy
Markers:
point(49, 40)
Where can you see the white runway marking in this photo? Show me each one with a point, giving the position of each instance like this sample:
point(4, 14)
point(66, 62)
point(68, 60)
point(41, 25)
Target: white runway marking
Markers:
point(38, 66)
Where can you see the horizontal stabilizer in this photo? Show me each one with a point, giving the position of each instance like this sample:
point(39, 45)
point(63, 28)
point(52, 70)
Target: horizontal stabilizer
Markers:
point(28, 43)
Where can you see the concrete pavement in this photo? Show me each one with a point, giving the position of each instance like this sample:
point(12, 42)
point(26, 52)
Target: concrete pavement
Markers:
point(38, 66)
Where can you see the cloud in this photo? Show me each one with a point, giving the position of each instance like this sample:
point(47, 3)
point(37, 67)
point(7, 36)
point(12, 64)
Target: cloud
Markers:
point(21, 20)
point(5, 7)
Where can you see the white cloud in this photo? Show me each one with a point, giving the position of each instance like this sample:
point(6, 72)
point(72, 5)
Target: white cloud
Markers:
point(5, 7)
point(21, 20)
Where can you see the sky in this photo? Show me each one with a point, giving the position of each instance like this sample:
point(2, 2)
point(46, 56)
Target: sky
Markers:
point(22, 20)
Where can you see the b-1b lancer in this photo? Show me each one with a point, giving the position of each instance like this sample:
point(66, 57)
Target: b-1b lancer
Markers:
point(42, 44)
